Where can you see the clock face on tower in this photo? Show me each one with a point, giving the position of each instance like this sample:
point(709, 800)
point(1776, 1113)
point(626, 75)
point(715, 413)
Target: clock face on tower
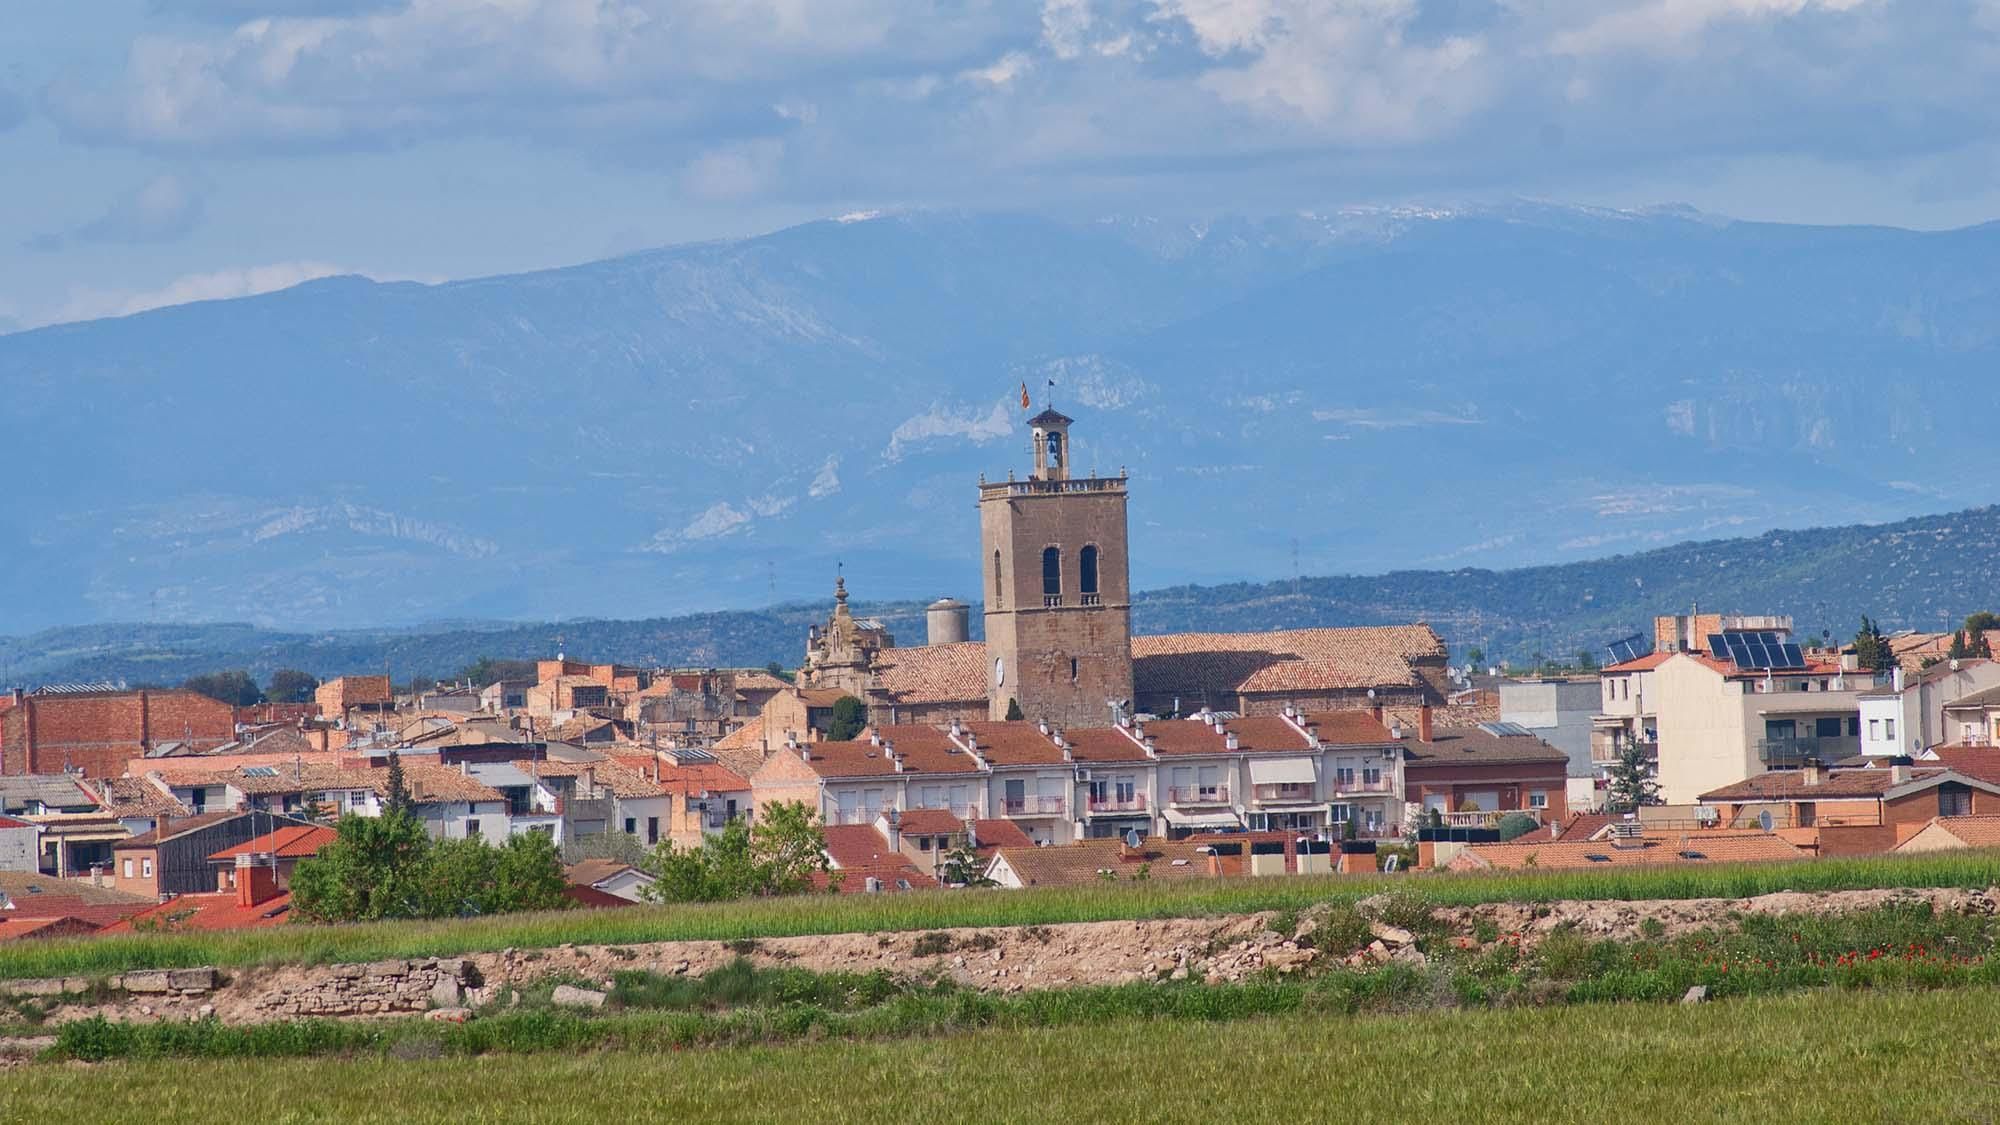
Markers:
point(999, 671)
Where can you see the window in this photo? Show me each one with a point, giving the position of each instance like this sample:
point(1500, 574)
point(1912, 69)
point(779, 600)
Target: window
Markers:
point(631, 826)
point(355, 799)
point(1343, 813)
point(472, 829)
point(128, 869)
point(999, 591)
point(1086, 565)
point(1889, 729)
point(146, 868)
point(1052, 575)
point(1874, 730)
point(1954, 800)
point(652, 829)
point(1055, 449)
point(1100, 791)
point(1537, 799)
point(923, 843)
point(1371, 775)
point(1126, 789)
point(1072, 669)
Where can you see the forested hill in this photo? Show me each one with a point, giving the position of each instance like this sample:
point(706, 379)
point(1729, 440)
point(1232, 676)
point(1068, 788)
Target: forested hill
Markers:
point(1921, 573)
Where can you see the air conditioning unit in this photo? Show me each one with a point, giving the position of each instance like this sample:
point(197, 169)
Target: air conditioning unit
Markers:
point(1083, 775)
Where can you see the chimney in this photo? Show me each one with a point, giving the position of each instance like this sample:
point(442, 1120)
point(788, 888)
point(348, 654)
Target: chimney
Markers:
point(892, 822)
point(1895, 678)
point(1214, 862)
point(1396, 729)
point(1899, 773)
point(1811, 774)
point(1424, 723)
point(1152, 745)
point(256, 880)
point(1230, 742)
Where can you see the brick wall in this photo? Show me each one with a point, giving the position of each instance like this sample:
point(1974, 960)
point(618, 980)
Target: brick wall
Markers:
point(98, 733)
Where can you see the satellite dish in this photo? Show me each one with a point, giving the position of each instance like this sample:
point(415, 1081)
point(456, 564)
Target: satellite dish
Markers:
point(1132, 838)
point(1764, 820)
point(999, 670)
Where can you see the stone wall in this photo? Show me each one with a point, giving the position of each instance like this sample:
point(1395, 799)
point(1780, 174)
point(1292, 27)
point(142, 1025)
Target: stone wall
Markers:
point(377, 988)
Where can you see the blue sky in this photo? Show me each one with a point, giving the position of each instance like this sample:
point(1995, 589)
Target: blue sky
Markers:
point(164, 150)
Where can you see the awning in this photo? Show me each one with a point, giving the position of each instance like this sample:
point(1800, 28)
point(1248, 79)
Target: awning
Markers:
point(1281, 771)
point(1180, 819)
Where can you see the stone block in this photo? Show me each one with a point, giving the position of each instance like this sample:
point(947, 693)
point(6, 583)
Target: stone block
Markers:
point(446, 993)
point(388, 968)
point(191, 980)
point(149, 980)
point(568, 996)
point(449, 1015)
point(47, 986)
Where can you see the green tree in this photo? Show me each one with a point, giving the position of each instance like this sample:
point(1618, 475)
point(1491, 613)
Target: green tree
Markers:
point(458, 879)
point(399, 799)
point(528, 874)
point(234, 687)
point(962, 867)
point(850, 718)
point(1586, 660)
point(1014, 712)
point(622, 847)
point(1871, 647)
point(1514, 825)
point(790, 845)
point(1476, 657)
point(371, 870)
point(289, 685)
point(1632, 783)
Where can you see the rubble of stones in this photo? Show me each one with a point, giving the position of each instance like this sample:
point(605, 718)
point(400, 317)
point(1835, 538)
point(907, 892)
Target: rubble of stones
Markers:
point(377, 988)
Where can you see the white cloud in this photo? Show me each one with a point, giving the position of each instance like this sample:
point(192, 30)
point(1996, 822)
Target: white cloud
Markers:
point(1002, 71)
point(939, 423)
point(827, 481)
point(1669, 25)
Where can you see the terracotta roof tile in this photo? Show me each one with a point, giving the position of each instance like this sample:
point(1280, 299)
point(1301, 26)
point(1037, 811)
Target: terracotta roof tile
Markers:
point(1644, 663)
point(1564, 854)
point(1976, 831)
point(13, 928)
point(859, 845)
point(1015, 744)
point(1284, 660)
point(294, 841)
point(1455, 745)
point(212, 911)
point(924, 750)
point(953, 673)
point(1781, 785)
point(1350, 728)
point(1000, 834)
point(623, 780)
point(929, 822)
point(1102, 744)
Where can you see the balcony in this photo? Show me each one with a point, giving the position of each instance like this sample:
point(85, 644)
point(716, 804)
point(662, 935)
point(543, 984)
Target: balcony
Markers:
point(1380, 783)
point(962, 812)
point(1780, 752)
point(1285, 793)
point(856, 815)
point(1091, 599)
point(1338, 831)
point(1033, 806)
point(1485, 819)
point(1611, 754)
point(1051, 601)
point(1198, 795)
point(1102, 806)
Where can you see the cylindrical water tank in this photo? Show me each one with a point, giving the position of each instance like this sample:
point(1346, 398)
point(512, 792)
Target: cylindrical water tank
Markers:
point(947, 622)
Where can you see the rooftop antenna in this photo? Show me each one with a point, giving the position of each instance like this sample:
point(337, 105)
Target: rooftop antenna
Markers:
point(1295, 566)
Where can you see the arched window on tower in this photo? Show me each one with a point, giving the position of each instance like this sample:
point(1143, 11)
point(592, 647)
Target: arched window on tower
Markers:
point(1055, 449)
point(1086, 564)
point(1052, 576)
point(999, 588)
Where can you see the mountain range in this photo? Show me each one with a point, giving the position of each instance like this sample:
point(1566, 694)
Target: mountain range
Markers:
point(717, 426)
point(1924, 573)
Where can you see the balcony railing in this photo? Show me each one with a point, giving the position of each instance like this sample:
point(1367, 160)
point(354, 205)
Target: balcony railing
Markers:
point(1794, 751)
point(1198, 795)
point(962, 812)
point(1091, 599)
point(1362, 784)
point(1485, 819)
point(1285, 793)
point(1136, 803)
point(1032, 806)
point(1338, 830)
point(1610, 754)
point(1051, 601)
point(856, 815)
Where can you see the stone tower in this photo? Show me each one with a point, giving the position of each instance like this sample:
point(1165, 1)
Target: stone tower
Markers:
point(1058, 592)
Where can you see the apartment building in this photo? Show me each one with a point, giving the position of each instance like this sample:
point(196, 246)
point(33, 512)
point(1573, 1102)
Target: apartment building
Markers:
point(1910, 714)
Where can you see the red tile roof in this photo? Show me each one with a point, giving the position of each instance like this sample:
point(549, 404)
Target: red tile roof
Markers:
point(1283, 660)
point(1786, 785)
point(928, 822)
point(67, 925)
point(1350, 728)
point(212, 911)
point(1458, 745)
point(175, 827)
point(953, 673)
point(13, 822)
point(1015, 744)
point(1000, 834)
point(923, 750)
point(294, 841)
point(592, 898)
point(1641, 664)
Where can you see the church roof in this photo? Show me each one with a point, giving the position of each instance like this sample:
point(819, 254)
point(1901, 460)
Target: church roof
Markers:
point(1049, 417)
point(950, 673)
point(1282, 660)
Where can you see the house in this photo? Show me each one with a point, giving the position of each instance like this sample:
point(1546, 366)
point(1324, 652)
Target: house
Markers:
point(502, 696)
point(1559, 855)
point(172, 859)
point(255, 901)
point(704, 795)
point(1949, 833)
point(1558, 710)
point(1473, 775)
point(451, 803)
point(20, 845)
point(865, 861)
point(79, 905)
point(345, 697)
point(595, 797)
point(1627, 716)
point(1763, 705)
point(276, 852)
point(609, 876)
point(1850, 811)
point(75, 830)
point(1973, 720)
point(94, 732)
point(1911, 713)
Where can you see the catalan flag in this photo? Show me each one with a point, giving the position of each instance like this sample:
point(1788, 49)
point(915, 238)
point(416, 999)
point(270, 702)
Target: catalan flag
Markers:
point(1025, 404)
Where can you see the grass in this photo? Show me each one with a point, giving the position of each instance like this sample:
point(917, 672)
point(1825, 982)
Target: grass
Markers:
point(1812, 1056)
point(821, 914)
point(1896, 947)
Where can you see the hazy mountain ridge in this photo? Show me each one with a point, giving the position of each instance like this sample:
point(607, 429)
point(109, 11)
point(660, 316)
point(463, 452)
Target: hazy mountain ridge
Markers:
point(1925, 573)
point(716, 425)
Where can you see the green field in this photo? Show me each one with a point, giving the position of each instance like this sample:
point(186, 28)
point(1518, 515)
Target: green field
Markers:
point(822, 914)
point(1931, 1056)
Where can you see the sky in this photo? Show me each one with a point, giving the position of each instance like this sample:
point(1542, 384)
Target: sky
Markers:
point(158, 151)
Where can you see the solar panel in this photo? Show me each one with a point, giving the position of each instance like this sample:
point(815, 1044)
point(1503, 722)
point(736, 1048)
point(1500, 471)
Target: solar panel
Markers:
point(1628, 648)
point(1794, 657)
point(260, 771)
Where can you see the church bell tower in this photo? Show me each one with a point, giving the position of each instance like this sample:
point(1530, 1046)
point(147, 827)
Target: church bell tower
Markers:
point(1058, 592)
